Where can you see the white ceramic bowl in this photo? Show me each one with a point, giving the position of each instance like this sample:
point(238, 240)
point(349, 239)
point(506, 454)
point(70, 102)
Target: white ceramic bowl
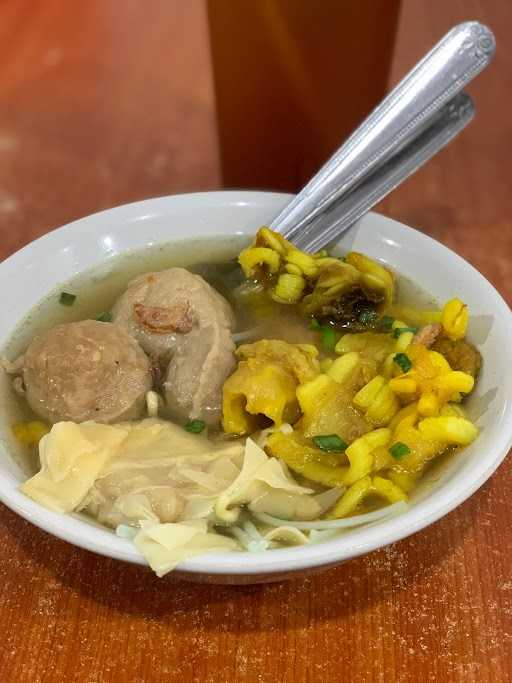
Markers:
point(35, 270)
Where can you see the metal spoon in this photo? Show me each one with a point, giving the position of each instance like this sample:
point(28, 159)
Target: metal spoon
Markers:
point(339, 216)
point(419, 105)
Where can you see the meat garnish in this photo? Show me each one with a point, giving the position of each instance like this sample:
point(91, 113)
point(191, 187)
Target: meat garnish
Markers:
point(160, 320)
point(427, 335)
point(460, 354)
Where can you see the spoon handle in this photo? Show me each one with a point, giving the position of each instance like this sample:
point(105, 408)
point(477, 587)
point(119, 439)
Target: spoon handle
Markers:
point(339, 216)
point(463, 52)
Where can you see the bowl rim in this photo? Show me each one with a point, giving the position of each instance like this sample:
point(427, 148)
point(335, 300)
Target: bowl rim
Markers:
point(78, 531)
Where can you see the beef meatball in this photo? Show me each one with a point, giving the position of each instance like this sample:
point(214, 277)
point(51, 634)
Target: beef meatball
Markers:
point(186, 327)
point(86, 370)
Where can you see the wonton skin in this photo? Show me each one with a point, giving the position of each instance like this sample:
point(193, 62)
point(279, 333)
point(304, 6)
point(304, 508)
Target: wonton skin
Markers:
point(86, 370)
point(185, 326)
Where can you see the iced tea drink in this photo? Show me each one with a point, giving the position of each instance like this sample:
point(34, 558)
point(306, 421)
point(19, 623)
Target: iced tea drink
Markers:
point(292, 79)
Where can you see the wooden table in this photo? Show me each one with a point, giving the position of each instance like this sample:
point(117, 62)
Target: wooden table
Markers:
point(105, 102)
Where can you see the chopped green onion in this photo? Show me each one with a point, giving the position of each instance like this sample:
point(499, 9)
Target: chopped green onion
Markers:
point(195, 426)
point(67, 299)
point(330, 442)
point(399, 450)
point(367, 316)
point(386, 322)
point(105, 317)
point(327, 335)
point(328, 338)
point(400, 330)
point(403, 361)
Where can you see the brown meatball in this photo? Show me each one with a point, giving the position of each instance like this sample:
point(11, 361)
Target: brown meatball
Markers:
point(86, 371)
point(158, 309)
point(185, 326)
point(460, 354)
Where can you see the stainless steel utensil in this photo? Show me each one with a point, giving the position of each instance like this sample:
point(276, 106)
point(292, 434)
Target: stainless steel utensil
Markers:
point(418, 103)
point(339, 216)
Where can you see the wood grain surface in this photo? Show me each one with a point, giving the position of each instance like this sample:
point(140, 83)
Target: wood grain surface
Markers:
point(107, 101)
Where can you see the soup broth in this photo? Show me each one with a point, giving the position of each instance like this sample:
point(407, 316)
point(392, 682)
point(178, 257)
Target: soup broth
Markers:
point(344, 394)
point(96, 290)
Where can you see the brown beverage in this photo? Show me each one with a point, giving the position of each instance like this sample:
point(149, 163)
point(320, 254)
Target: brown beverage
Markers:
point(292, 79)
